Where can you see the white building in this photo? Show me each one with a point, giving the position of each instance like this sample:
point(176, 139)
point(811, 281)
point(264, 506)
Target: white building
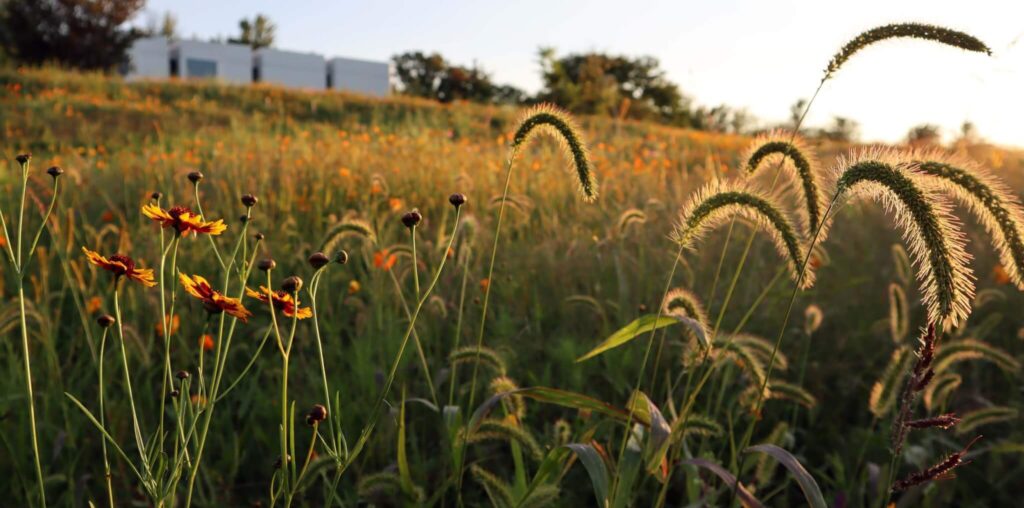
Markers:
point(290, 68)
point(149, 57)
point(361, 76)
point(227, 62)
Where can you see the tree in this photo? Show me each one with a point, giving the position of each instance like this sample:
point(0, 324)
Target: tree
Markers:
point(258, 33)
point(842, 129)
point(430, 76)
point(83, 34)
point(597, 83)
point(924, 135)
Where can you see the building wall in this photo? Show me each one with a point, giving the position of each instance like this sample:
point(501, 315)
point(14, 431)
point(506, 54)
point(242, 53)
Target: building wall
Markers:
point(227, 62)
point(149, 57)
point(371, 78)
point(290, 68)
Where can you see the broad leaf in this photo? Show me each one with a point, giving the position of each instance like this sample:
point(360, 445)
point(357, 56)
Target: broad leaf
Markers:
point(629, 332)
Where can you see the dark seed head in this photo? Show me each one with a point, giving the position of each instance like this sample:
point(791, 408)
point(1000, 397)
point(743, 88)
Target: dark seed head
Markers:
point(318, 260)
point(292, 284)
point(155, 196)
point(318, 413)
point(249, 200)
point(55, 171)
point(457, 199)
point(182, 375)
point(341, 257)
point(266, 264)
point(23, 158)
point(411, 219)
point(195, 176)
point(105, 320)
point(259, 236)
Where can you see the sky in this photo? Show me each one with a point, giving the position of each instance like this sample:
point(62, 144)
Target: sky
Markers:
point(753, 54)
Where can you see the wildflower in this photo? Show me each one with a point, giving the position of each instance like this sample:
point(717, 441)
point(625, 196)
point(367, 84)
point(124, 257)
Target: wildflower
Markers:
point(175, 323)
point(354, 287)
point(183, 220)
point(484, 283)
point(121, 265)
point(213, 301)
point(249, 200)
point(282, 301)
point(266, 264)
point(292, 284)
point(93, 304)
point(1000, 275)
point(383, 260)
point(318, 260)
point(206, 342)
point(457, 199)
point(105, 320)
point(411, 219)
point(55, 171)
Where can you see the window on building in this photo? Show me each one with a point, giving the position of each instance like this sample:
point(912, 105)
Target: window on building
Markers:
point(199, 68)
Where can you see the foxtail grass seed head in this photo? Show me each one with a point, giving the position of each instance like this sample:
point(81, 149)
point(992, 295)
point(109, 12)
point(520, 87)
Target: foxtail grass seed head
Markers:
point(195, 177)
point(549, 120)
point(155, 196)
point(943, 421)
point(318, 260)
point(23, 158)
point(411, 219)
point(922, 31)
point(341, 257)
point(249, 201)
point(266, 264)
point(292, 284)
point(457, 200)
point(105, 320)
point(994, 205)
point(932, 234)
point(55, 171)
point(182, 375)
point(768, 148)
point(938, 471)
point(716, 203)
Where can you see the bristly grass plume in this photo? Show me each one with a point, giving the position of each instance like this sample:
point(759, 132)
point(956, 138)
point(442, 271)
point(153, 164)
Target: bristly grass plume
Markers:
point(922, 31)
point(773, 145)
point(546, 119)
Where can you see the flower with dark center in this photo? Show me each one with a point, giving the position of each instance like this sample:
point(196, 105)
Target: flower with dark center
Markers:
point(457, 199)
point(23, 158)
point(292, 284)
point(55, 171)
point(183, 220)
point(249, 200)
point(281, 301)
point(266, 264)
point(341, 257)
point(195, 177)
point(318, 260)
point(105, 320)
point(412, 219)
point(121, 265)
point(213, 301)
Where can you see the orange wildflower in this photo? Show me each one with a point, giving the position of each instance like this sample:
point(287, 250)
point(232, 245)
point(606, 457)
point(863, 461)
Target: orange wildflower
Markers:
point(93, 304)
point(353, 287)
point(175, 324)
point(121, 265)
point(1000, 275)
point(282, 301)
point(484, 283)
point(183, 220)
point(206, 342)
point(383, 260)
point(213, 301)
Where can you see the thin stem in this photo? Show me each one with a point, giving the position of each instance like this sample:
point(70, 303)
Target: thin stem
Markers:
point(42, 226)
point(315, 285)
point(415, 263)
point(416, 340)
point(458, 329)
point(202, 216)
point(21, 210)
point(29, 394)
point(103, 420)
point(128, 382)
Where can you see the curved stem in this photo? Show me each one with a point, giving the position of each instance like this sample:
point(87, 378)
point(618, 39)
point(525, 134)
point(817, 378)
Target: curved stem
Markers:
point(128, 383)
point(103, 420)
point(29, 394)
point(42, 226)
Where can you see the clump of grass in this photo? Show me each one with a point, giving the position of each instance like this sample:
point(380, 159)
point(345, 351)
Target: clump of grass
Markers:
point(930, 231)
point(777, 145)
point(549, 120)
point(995, 205)
point(922, 31)
point(716, 203)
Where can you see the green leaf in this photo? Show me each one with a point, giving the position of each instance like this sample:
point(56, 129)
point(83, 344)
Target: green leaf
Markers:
point(807, 484)
point(595, 467)
point(745, 497)
point(629, 332)
point(561, 398)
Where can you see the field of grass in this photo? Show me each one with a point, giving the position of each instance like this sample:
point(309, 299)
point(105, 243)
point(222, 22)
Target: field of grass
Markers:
point(327, 169)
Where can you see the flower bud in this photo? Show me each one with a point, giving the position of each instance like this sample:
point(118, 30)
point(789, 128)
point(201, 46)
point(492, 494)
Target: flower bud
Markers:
point(412, 219)
point(155, 196)
point(105, 320)
point(292, 284)
point(259, 236)
point(195, 177)
point(318, 413)
point(457, 199)
point(182, 375)
point(318, 260)
point(341, 257)
point(266, 264)
point(23, 158)
point(249, 200)
point(55, 171)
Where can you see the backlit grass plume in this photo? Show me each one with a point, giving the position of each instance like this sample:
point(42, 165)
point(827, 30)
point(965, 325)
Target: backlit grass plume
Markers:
point(922, 31)
point(770, 147)
point(995, 206)
point(930, 232)
point(718, 202)
point(681, 301)
point(546, 119)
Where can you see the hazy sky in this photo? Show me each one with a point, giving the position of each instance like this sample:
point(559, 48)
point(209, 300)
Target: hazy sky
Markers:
point(759, 55)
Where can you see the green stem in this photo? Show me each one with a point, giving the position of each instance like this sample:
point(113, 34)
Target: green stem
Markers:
point(128, 383)
point(103, 421)
point(416, 340)
point(29, 394)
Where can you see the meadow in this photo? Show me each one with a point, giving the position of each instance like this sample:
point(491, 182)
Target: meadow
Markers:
point(391, 392)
